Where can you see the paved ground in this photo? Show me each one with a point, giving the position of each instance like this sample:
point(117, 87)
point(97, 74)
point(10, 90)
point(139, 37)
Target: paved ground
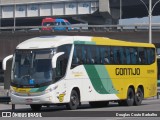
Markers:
point(2, 91)
point(151, 106)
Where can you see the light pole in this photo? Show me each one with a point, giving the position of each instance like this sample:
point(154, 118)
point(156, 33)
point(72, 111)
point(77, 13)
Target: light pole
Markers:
point(120, 5)
point(14, 15)
point(0, 13)
point(150, 10)
point(150, 21)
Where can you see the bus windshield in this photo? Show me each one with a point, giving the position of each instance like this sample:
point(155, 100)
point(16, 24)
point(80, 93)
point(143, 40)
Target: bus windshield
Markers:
point(32, 68)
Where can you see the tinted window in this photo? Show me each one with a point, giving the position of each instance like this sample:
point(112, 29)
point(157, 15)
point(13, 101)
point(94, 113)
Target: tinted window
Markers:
point(62, 61)
point(142, 56)
point(133, 55)
point(105, 55)
point(150, 55)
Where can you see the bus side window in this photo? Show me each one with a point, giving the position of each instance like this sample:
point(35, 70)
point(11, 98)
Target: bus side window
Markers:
point(61, 67)
point(77, 56)
point(142, 55)
point(97, 59)
point(133, 53)
point(111, 55)
point(151, 55)
point(107, 55)
point(118, 56)
point(122, 57)
point(87, 54)
point(74, 59)
point(93, 54)
point(102, 57)
point(128, 56)
point(84, 52)
point(145, 56)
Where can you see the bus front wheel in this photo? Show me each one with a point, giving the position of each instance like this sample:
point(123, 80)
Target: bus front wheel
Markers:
point(74, 101)
point(36, 107)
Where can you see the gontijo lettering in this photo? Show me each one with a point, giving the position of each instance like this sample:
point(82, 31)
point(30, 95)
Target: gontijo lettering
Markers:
point(127, 71)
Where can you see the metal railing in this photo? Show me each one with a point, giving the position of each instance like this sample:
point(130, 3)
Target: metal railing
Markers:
point(83, 28)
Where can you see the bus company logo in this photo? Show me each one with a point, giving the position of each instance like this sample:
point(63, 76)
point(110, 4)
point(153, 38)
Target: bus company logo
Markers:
point(6, 114)
point(127, 71)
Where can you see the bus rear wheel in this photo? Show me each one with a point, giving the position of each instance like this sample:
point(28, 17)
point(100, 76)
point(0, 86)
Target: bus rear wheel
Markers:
point(99, 104)
point(36, 107)
point(74, 101)
point(138, 97)
point(130, 97)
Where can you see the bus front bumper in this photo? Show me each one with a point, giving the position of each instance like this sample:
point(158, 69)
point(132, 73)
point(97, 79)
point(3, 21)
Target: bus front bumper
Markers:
point(47, 98)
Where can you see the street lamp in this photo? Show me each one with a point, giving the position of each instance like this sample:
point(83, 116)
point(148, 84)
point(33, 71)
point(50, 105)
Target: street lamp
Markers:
point(150, 21)
point(120, 11)
point(150, 10)
point(0, 12)
point(14, 15)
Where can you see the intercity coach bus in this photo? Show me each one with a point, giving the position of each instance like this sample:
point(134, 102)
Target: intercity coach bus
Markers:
point(157, 45)
point(68, 70)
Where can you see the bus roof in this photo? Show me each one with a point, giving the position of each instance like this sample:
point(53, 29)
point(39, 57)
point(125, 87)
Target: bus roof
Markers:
point(55, 41)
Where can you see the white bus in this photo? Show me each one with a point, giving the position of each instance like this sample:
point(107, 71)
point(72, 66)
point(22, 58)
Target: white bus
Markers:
point(68, 70)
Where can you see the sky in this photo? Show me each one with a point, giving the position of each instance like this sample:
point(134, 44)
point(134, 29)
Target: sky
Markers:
point(155, 19)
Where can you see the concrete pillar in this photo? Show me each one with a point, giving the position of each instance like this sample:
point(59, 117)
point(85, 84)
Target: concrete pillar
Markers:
point(115, 13)
point(104, 8)
point(109, 16)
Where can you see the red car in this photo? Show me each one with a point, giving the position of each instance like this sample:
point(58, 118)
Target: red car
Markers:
point(47, 23)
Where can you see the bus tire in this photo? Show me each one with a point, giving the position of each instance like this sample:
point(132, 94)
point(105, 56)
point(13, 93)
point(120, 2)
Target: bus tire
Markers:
point(130, 97)
point(138, 97)
point(36, 107)
point(99, 104)
point(74, 101)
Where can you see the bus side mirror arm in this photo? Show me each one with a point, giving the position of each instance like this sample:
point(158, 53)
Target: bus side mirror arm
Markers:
point(54, 59)
point(4, 63)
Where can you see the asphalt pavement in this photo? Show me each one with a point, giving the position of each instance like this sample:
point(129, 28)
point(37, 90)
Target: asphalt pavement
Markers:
point(2, 91)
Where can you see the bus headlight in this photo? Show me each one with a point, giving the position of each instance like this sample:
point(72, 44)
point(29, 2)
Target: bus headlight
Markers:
point(12, 91)
point(51, 89)
point(48, 90)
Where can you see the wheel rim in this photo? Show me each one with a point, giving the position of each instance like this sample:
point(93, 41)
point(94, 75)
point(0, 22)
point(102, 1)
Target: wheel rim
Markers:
point(139, 96)
point(74, 99)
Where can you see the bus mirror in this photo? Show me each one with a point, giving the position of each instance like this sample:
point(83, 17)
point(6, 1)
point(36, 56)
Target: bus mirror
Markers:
point(54, 59)
point(4, 63)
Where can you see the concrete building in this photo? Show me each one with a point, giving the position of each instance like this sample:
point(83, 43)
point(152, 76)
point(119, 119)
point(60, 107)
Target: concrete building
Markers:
point(31, 12)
